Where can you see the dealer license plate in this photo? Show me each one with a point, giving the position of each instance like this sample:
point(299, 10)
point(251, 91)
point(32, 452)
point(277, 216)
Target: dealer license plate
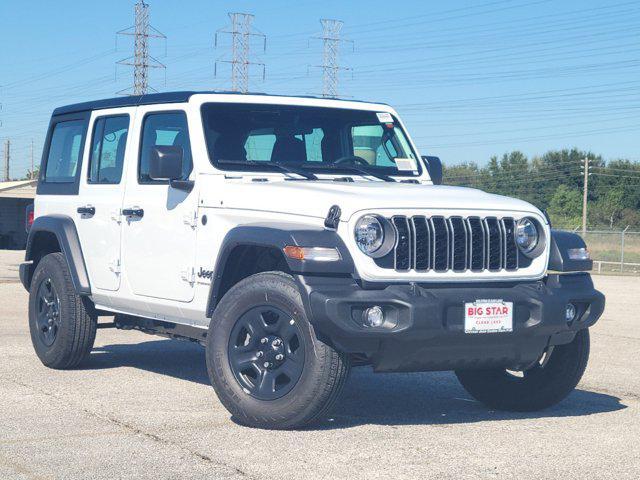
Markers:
point(488, 316)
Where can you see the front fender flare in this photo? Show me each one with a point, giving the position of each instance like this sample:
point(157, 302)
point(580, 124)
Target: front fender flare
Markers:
point(559, 261)
point(279, 236)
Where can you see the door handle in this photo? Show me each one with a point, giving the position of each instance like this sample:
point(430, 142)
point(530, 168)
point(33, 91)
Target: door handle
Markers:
point(87, 210)
point(133, 212)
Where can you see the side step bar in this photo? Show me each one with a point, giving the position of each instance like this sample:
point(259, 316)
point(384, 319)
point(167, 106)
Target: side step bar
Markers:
point(161, 328)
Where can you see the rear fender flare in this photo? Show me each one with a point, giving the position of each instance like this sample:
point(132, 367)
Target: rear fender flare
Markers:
point(66, 234)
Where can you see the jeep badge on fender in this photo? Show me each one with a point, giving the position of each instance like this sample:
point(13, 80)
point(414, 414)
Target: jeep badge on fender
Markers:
point(292, 237)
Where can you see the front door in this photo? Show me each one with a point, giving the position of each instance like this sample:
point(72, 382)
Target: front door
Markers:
point(159, 230)
point(101, 191)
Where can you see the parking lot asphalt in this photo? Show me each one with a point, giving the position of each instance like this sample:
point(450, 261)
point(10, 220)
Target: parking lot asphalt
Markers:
point(142, 408)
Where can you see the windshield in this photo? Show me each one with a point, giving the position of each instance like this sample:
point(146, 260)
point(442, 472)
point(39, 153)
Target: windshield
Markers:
point(321, 140)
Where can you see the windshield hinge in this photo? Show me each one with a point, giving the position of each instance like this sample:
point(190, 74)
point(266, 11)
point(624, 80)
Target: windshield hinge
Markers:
point(332, 220)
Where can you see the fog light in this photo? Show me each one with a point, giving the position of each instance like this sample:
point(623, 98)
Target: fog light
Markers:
point(570, 312)
point(373, 316)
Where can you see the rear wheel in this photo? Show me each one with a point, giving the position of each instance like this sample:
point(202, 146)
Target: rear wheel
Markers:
point(542, 385)
point(62, 325)
point(264, 360)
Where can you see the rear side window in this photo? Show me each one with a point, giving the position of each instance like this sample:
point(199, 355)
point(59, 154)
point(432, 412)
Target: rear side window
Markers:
point(108, 149)
point(164, 129)
point(65, 150)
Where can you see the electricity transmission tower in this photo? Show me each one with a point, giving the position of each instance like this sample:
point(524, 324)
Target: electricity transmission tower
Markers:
point(141, 61)
point(241, 33)
point(331, 41)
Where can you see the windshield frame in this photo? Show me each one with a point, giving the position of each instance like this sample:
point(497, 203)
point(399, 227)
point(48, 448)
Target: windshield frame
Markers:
point(312, 167)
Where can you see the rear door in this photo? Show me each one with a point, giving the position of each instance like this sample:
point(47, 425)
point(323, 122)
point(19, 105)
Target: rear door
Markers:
point(102, 188)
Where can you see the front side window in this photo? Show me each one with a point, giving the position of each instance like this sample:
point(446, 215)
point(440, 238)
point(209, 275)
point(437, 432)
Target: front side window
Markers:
point(108, 149)
point(164, 129)
point(64, 153)
point(252, 136)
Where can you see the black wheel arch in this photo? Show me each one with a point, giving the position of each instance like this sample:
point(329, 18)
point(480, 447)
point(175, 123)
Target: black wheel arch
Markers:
point(270, 239)
point(561, 243)
point(56, 233)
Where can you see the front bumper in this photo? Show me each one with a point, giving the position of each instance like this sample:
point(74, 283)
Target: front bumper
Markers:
point(429, 321)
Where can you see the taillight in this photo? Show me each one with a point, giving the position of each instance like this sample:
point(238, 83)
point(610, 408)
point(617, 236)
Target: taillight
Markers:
point(30, 217)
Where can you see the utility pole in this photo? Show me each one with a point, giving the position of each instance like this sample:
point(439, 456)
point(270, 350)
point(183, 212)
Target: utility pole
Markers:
point(241, 32)
point(141, 61)
point(7, 160)
point(585, 193)
point(331, 41)
point(32, 176)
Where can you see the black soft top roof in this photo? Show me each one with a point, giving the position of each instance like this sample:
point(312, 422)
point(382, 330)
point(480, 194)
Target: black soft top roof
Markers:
point(156, 98)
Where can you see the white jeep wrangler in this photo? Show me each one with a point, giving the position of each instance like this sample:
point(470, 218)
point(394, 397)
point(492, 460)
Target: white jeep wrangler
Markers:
point(295, 237)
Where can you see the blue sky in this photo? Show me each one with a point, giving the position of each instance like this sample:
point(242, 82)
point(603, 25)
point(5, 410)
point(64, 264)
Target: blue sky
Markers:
point(470, 78)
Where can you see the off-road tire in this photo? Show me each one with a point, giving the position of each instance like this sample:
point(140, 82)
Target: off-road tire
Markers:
point(324, 370)
point(542, 386)
point(76, 327)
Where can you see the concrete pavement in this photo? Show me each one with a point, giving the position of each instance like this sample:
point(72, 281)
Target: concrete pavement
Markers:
point(142, 408)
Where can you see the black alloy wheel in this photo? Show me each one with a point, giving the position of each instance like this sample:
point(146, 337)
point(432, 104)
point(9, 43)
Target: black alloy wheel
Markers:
point(48, 312)
point(539, 386)
point(265, 360)
point(266, 352)
point(62, 323)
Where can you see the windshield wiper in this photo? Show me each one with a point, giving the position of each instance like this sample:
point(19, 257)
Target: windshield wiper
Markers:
point(281, 166)
point(357, 169)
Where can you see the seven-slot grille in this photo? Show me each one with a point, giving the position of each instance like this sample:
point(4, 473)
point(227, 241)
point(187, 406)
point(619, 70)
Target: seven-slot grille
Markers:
point(454, 243)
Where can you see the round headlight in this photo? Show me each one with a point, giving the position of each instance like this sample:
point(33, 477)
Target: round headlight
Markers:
point(369, 234)
point(527, 235)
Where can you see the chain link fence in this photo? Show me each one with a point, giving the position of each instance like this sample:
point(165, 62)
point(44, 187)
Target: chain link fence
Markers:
point(613, 251)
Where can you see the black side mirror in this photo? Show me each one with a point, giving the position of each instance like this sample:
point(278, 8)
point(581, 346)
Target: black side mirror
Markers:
point(434, 167)
point(165, 162)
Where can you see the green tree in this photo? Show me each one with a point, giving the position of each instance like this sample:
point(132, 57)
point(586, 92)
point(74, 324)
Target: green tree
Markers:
point(565, 206)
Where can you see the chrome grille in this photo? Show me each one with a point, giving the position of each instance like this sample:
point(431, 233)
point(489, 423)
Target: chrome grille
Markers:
point(454, 243)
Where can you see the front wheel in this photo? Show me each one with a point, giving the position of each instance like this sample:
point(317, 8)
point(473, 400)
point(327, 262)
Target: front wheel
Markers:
point(542, 385)
point(264, 360)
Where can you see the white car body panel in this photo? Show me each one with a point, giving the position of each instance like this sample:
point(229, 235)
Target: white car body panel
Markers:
point(161, 255)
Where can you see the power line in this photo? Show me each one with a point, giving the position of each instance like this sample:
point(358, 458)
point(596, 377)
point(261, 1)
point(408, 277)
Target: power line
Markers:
point(432, 18)
point(141, 61)
point(241, 35)
point(537, 95)
point(614, 175)
point(501, 176)
point(627, 170)
point(569, 18)
point(515, 32)
point(631, 128)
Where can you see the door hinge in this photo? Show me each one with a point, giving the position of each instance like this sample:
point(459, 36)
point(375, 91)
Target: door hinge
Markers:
point(116, 216)
point(188, 275)
point(114, 266)
point(191, 219)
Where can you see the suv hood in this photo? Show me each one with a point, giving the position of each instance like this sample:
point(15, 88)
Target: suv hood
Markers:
point(314, 198)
